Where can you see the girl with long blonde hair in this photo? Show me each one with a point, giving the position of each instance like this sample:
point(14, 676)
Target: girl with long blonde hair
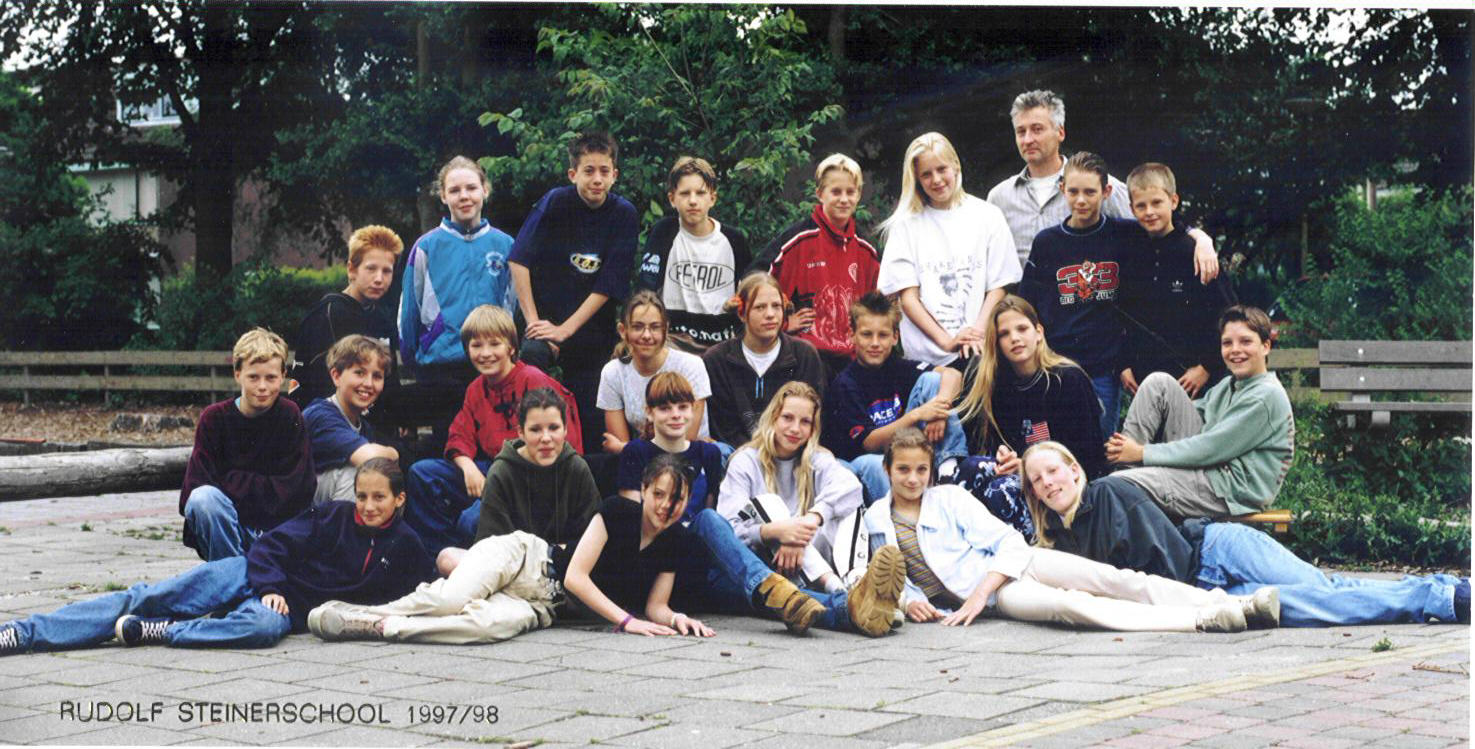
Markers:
point(785, 496)
point(948, 256)
point(1021, 393)
point(1116, 522)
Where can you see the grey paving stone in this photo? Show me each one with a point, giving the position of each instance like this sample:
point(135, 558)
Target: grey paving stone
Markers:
point(961, 705)
point(814, 741)
point(630, 704)
point(689, 735)
point(511, 722)
point(262, 734)
point(295, 671)
point(727, 713)
point(367, 682)
point(1080, 691)
point(756, 691)
point(828, 722)
point(686, 670)
point(1230, 741)
point(1078, 737)
point(924, 730)
point(11, 712)
point(241, 690)
point(42, 727)
point(126, 735)
point(494, 671)
point(856, 697)
point(592, 728)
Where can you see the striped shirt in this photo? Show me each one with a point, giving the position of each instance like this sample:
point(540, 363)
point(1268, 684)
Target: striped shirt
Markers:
point(906, 538)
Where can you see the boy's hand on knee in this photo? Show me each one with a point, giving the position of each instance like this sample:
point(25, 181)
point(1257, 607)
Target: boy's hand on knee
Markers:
point(1123, 449)
point(276, 603)
point(475, 482)
point(1129, 381)
point(1194, 380)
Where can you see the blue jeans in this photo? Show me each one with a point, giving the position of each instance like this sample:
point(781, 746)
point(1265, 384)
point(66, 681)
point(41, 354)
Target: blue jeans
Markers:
point(1002, 496)
point(1109, 391)
point(210, 587)
point(734, 573)
point(1240, 560)
point(954, 443)
point(213, 528)
point(437, 499)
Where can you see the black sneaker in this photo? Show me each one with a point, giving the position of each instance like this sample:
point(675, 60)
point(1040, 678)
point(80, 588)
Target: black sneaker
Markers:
point(10, 640)
point(136, 630)
point(1462, 600)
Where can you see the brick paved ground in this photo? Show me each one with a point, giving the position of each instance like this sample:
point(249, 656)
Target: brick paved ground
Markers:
point(995, 683)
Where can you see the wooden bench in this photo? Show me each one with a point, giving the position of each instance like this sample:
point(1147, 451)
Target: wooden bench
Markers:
point(1279, 521)
point(82, 371)
point(1368, 368)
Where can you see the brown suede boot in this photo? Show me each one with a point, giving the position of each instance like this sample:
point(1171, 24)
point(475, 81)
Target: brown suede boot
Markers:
point(787, 602)
point(873, 599)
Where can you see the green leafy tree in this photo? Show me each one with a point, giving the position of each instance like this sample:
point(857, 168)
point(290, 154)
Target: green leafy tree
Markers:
point(235, 72)
point(69, 284)
point(736, 85)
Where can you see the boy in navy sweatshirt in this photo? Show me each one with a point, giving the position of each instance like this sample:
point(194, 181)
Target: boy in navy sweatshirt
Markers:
point(339, 432)
point(882, 392)
point(571, 268)
point(1171, 318)
point(251, 468)
point(1074, 278)
point(360, 551)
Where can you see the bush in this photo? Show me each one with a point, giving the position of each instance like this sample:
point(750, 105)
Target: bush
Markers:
point(255, 293)
point(1400, 495)
point(1402, 272)
point(70, 285)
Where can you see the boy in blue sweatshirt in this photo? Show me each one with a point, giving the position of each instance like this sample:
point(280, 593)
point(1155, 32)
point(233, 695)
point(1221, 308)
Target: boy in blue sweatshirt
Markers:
point(338, 432)
point(570, 267)
point(1073, 279)
point(881, 392)
point(359, 551)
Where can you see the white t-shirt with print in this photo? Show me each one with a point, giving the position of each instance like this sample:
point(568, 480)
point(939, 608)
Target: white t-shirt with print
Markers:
point(953, 258)
point(622, 388)
point(700, 276)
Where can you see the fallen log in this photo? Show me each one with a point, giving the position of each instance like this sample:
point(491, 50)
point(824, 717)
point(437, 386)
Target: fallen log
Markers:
point(87, 472)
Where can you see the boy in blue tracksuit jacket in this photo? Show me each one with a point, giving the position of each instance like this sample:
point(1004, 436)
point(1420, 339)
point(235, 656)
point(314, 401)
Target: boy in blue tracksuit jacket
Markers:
point(571, 270)
point(360, 551)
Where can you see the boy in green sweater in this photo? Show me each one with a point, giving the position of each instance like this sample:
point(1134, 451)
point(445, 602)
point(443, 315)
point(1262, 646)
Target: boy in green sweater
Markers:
point(1228, 452)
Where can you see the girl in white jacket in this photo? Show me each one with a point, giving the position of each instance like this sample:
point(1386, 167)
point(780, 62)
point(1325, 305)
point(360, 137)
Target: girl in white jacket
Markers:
point(959, 559)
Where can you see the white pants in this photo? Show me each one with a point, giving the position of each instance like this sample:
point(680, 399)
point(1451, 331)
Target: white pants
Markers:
point(497, 592)
point(1067, 589)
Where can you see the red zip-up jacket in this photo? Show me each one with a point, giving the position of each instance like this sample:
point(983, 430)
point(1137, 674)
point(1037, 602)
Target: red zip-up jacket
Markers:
point(820, 266)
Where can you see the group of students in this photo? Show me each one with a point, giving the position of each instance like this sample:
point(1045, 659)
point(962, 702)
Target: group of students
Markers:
point(771, 450)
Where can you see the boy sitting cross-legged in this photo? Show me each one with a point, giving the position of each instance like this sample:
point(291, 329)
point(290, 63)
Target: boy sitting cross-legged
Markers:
point(881, 392)
point(251, 467)
point(441, 489)
point(357, 551)
point(340, 436)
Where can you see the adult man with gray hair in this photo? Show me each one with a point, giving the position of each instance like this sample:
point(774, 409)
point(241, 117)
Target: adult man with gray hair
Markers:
point(1031, 200)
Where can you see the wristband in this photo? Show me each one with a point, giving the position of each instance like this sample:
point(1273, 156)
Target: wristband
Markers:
point(621, 626)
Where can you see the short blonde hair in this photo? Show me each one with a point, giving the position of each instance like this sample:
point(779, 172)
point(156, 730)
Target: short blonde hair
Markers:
point(1152, 174)
point(368, 238)
point(490, 321)
point(258, 345)
point(841, 163)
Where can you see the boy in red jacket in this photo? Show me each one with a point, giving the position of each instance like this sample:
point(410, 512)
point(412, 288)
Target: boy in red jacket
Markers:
point(441, 489)
point(823, 266)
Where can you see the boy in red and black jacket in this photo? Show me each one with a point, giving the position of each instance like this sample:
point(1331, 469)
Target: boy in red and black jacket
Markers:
point(823, 265)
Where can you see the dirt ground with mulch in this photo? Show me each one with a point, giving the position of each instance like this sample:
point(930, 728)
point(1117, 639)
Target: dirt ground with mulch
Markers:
point(69, 422)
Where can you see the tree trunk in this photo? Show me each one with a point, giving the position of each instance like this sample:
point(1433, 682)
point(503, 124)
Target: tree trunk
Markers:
point(92, 472)
point(211, 150)
point(837, 34)
point(427, 214)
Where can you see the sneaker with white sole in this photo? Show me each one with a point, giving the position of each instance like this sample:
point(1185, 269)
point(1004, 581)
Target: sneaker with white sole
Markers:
point(333, 624)
point(1228, 617)
point(10, 640)
point(1262, 608)
point(136, 630)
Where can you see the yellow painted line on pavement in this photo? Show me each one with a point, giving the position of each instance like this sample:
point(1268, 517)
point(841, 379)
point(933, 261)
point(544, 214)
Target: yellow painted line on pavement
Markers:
point(1126, 707)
